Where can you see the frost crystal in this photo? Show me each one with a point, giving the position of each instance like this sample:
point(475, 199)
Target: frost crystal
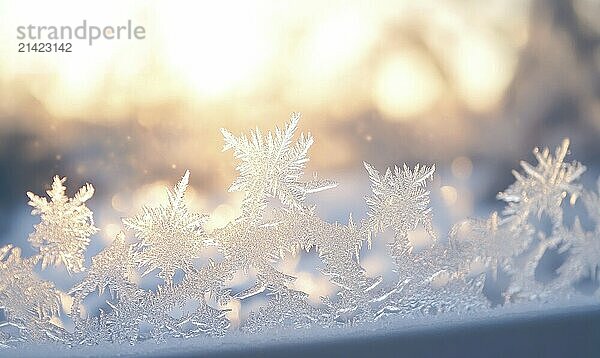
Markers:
point(28, 302)
point(66, 227)
point(441, 275)
point(541, 189)
point(112, 268)
point(171, 236)
point(400, 200)
point(582, 246)
point(488, 242)
point(584, 254)
point(272, 167)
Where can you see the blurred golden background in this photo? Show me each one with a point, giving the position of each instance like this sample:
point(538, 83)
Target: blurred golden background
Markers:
point(471, 86)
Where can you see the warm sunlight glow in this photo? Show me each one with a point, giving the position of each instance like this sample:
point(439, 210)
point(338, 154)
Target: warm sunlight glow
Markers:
point(338, 42)
point(483, 68)
point(212, 49)
point(407, 85)
point(449, 194)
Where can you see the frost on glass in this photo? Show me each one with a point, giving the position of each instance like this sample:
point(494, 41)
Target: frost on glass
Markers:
point(197, 266)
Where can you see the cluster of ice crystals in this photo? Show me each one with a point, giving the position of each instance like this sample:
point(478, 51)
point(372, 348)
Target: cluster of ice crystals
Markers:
point(442, 275)
point(516, 241)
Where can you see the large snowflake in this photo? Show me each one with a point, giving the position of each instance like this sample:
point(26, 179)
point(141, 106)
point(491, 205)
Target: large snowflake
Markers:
point(272, 166)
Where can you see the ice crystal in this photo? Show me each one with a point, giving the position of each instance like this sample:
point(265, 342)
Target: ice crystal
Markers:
point(287, 308)
point(433, 279)
point(171, 236)
point(541, 189)
point(516, 241)
point(272, 167)
point(132, 307)
point(400, 200)
point(583, 247)
point(28, 302)
point(584, 254)
point(338, 247)
point(443, 274)
point(488, 242)
point(112, 268)
point(66, 227)
point(247, 246)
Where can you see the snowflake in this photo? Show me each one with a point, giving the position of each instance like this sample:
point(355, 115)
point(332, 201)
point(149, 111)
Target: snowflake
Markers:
point(156, 309)
point(400, 200)
point(171, 236)
point(432, 279)
point(210, 280)
point(135, 310)
point(338, 247)
point(112, 268)
point(66, 227)
point(272, 167)
point(541, 189)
